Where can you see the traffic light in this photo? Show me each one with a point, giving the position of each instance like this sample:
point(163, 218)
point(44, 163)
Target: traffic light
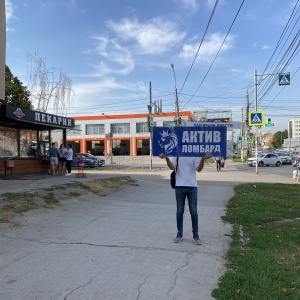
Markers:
point(150, 122)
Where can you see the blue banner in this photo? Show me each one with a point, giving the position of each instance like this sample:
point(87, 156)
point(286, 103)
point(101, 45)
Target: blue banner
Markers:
point(189, 141)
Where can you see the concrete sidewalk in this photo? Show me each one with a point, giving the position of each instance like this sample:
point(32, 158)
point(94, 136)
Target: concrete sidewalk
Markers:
point(119, 246)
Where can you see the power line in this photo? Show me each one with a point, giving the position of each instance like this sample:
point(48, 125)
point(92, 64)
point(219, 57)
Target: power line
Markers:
point(211, 16)
point(219, 49)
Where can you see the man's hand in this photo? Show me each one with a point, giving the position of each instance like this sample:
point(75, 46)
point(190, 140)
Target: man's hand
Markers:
point(207, 155)
point(162, 156)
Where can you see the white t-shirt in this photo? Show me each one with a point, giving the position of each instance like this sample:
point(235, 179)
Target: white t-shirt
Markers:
point(186, 171)
point(69, 154)
point(62, 152)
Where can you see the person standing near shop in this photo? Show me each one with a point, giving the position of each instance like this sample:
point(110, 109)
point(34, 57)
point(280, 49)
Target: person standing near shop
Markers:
point(53, 155)
point(62, 159)
point(186, 187)
point(69, 157)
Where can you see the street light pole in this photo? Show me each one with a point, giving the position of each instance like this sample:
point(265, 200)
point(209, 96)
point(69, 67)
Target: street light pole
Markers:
point(176, 100)
point(256, 129)
point(150, 128)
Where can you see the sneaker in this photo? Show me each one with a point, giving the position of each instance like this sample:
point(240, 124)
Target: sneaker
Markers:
point(178, 238)
point(68, 174)
point(197, 240)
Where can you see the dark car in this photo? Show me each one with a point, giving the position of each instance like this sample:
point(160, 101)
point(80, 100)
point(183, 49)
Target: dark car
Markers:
point(89, 160)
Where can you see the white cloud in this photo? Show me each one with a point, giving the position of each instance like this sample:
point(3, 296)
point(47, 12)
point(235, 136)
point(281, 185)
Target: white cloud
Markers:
point(208, 49)
point(190, 4)
point(234, 70)
point(265, 47)
point(9, 10)
point(92, 90)
point(9, 14)
point(154, 37)
point(114, 58)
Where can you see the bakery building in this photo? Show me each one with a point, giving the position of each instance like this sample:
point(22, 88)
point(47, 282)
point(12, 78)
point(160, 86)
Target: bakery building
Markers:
point(25, 136)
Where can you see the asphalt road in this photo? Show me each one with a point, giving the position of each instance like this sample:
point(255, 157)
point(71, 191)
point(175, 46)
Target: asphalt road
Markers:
point(285, 170)
point(120, 246)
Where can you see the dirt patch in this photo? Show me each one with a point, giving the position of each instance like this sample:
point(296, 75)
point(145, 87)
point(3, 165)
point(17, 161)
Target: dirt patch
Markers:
point(12, 204)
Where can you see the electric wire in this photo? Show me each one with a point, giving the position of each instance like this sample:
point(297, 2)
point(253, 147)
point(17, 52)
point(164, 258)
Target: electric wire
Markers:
point(208, 24)
point(218, 50)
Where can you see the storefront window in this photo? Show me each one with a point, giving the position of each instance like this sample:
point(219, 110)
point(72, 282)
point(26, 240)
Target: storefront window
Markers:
point(8, 142)
point(28, 143)
point(44, 142)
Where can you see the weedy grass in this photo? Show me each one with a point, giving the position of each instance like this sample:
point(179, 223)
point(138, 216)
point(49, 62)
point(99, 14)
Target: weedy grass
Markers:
point(73, 194)
point(18, 202)
point(13, 203)
point(264, 257)
point(50, 198)
point(101, 186)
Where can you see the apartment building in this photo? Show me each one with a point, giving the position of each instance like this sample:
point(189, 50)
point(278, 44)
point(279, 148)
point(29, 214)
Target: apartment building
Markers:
point(294, 128)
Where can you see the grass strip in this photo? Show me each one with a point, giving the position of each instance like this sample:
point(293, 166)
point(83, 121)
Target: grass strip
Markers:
point(264, 257)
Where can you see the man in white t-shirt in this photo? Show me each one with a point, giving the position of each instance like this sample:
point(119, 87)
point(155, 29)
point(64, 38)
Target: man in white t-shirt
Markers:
point(186, 187)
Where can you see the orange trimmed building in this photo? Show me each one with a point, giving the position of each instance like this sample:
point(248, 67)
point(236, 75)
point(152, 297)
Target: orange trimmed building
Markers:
point(123, 134)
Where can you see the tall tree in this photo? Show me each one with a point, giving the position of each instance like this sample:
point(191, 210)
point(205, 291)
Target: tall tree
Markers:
point(51, 88)
point(278, 138)
point(15, 92)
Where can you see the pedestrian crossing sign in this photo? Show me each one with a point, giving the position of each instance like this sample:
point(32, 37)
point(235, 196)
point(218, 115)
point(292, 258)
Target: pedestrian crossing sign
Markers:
point(249, 139)
point(256, 118)
point(284, 79)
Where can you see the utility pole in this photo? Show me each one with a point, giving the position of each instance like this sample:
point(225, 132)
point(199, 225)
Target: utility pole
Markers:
point(242, 136)
point(256, 129)
point(247, 118)
point(150, 127)
point(177, 115)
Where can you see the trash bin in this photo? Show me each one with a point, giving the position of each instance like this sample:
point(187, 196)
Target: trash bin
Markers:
point(9, 163)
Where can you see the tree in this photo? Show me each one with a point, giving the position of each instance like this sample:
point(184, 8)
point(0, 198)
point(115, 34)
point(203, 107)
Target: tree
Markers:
point(51, 88)
point(15, 92)
point(278, 138)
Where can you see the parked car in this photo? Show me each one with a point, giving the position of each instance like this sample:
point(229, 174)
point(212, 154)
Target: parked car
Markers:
point(89, 160)
point(265, 160)
point(286, 158)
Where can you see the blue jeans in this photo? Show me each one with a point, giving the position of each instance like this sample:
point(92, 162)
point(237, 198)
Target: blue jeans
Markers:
point(181, 193)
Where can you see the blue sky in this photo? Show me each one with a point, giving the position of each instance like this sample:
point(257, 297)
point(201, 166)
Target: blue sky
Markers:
point(112, 50)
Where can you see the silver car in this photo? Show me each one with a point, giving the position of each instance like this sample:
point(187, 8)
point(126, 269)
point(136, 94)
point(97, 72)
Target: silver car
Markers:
point(286, 158)
point(265, 160)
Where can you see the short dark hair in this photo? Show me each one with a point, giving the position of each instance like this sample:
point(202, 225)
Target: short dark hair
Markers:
point(70, 145)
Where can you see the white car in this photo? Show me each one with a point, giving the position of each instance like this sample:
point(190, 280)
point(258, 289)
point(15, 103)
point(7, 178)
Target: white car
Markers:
point(286, 158)
point(265, 160)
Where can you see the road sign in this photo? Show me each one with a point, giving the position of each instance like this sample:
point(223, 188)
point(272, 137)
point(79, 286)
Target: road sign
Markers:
point(249, 139)
point(284, 79)
point(256, 118)
point(269, 123)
